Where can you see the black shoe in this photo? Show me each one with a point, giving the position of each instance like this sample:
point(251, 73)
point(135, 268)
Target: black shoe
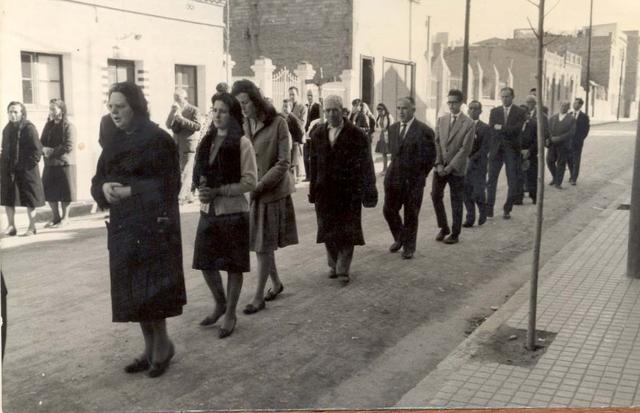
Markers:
point(212, 319)
point(272, 294)
point(552, 183)
point(443, 233)
point(344, 278)
point(137, 366)
point(11, 231)
point(490, 213)
point(223, 333)
point(558, 186)
point(407, 254)
point(518, 202)
point(533, 200)
point(395, 247)
point(251, 309)
point(468, 224)
point(573, 183)
point(451, 239)
point(482, 219)
point(332, 274)
point(158, 369)
point(506, 215)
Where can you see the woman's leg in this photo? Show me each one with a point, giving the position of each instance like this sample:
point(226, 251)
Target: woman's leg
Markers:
point(64, 206)
point(162, 346)
point(31, 213)
point(54, 210)
point(147, 333)
point(273, 274)
point(11, 217)
point(214, 281)
point(384, 161)
point(265, 265)
point(234, 285)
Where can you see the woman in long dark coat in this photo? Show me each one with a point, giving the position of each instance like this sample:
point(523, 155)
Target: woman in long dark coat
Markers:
point(20, 183)
point(59, 175)
point(224, 170)
point(138, 179)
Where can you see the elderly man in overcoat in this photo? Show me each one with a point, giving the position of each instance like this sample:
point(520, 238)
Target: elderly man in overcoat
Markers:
point(342, 180)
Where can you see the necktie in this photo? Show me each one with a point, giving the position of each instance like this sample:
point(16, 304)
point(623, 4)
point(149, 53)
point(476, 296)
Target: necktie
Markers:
point(453, 119)
point(506, 114)
point(402, 130)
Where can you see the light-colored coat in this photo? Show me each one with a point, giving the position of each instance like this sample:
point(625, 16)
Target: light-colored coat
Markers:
point(454, 143)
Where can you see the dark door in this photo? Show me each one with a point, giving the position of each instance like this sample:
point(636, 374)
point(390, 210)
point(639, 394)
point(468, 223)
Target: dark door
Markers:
point(368, 79)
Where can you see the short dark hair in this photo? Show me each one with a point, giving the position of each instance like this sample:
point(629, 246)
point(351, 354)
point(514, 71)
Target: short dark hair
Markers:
point(356, 101)
point(510, 89)
point(135, 97)
point(580, 100)
point(232, 103)
point(475, 102)
point(294, 88)
point(409, 99)
point(457, 93)
point(222, 87)
point(23, 109)
point(248, 87)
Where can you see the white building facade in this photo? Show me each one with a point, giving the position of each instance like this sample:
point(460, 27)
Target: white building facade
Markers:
point(75, 49)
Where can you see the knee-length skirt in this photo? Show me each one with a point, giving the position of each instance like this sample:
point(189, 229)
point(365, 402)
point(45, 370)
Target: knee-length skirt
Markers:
point(273, 225)
point(222, 243)
point(59, 183)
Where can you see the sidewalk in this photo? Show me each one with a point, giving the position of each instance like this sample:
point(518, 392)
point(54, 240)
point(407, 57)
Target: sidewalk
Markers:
point(593, 361)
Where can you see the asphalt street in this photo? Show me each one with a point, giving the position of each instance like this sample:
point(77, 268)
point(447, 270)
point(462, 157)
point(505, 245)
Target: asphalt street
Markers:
point(319, 345)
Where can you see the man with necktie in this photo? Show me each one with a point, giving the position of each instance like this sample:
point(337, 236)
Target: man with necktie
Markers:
point(529, 148)
point(506, 125)
point(313, 113)
point(454, 139)
point(475, 180)
point(562, 128)
point(413, 153)
point(577, 141)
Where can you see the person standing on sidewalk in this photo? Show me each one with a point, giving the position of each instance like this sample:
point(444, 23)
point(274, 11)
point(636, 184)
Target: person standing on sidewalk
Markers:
point(413, 153)
point(313, 113)
point(297, 112)
point(475, 179)
point(529, 148)
point(59, 175)
point(225, 169)
point(577, 140)
point(506, 124)
point(272, 215)
point(383, 121)
point(454, 140)
point(184, 122)
point(562, 128)
point(342, 181)
point(20, 183)
point(138, 179)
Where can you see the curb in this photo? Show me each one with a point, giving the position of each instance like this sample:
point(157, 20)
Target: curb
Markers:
point(78, 208)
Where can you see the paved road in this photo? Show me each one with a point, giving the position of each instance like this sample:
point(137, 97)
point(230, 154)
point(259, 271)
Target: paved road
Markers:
point(319, 345)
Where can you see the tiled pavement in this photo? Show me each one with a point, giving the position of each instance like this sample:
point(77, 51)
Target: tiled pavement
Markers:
point(594, 361)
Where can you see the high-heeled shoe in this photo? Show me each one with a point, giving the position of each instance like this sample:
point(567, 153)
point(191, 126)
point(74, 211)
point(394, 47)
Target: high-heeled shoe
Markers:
point(29, 232)
point(158, 368)
point(11, 231)
point(226, 333)
point(213, 318)
point(137, 366)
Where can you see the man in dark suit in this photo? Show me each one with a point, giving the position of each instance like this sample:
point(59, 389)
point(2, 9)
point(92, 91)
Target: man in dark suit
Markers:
point(529, 149)
point(413, 153)
point(506, 124)
point(562, 127)
point(313, 113)
point(577, 141)
point(342, 180)
point(475, 180)
point(454, 139)
point(184, 122)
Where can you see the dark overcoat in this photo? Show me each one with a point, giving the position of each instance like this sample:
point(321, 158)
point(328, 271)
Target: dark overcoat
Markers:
point(20, 183)
point(342, 180)
point(145, 248)
point(478, 158)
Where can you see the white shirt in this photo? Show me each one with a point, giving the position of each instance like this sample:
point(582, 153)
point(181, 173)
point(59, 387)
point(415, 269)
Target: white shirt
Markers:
point(408, 125)
point(506, 109)
point(334, 131)
point(561, 116)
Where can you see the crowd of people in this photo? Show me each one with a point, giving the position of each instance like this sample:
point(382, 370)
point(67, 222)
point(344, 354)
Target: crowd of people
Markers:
point(244, 164)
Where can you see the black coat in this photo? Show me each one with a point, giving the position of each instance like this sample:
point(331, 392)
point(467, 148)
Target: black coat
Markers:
point(412, 158)
point(509, 135)
point(342, 180)
point(62, 138)
point(529, 135)
point(582, 130)
point(20, 183)
point(145, 248)
point(479, 156)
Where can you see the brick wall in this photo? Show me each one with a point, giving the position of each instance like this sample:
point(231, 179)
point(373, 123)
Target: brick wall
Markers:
point(288, 32)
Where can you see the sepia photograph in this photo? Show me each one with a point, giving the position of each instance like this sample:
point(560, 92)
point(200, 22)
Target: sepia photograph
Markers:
point(214, 205)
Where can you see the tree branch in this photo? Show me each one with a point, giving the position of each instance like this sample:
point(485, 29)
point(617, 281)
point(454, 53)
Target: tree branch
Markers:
point(532, 2)
point(551, 9)
point(532, 29)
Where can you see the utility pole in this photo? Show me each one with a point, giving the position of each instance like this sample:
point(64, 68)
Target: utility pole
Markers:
point(535, 265)
point(465, 53)
point(228, 40)
point(633, 250)
point(586, 107)
point(620, 87)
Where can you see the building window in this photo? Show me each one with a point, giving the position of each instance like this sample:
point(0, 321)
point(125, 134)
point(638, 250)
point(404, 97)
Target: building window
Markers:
point(121, 70)
point(187, 79)
point(41, 78)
